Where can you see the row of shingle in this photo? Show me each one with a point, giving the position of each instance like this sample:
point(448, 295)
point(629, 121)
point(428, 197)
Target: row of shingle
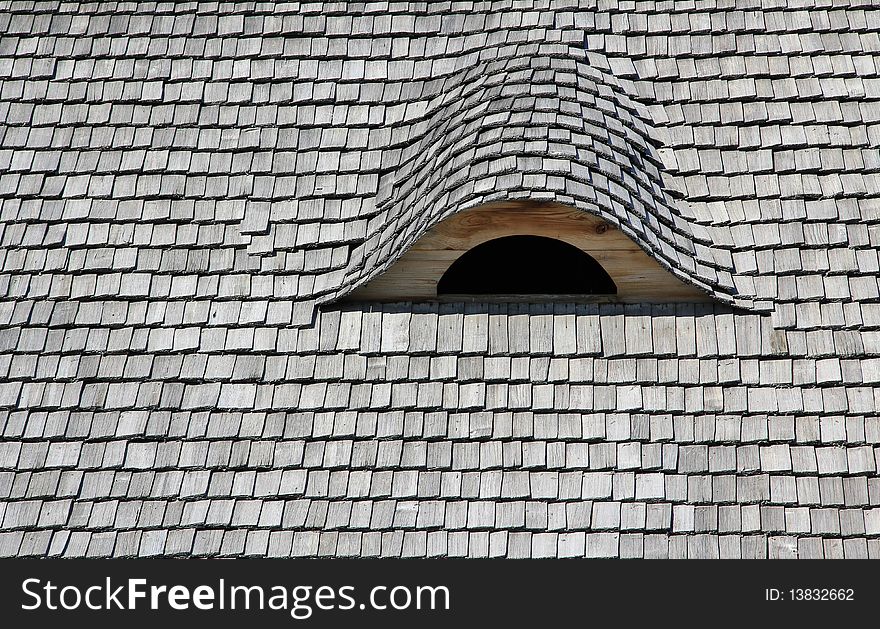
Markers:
point(791, 186)
point(719, 487)
point(207, 542)
point(430, 487)
point(238, 160)
point(289, 271)
point(341, 485)
point(212, 101)
point(440, 514)
point(507, 378)
point(614, 426)
point(434, 17)
point(527, 425)
point(686, 458)
point(102, 90)
point(75, 164)
point(539, 328)
point(380, 58)
point(774, 101)
point(722, 44)
point(317, 18)
point(428, 396)
point(206, 62)
point(206, 327)
point(160, 187)
point(807, 188)
point(33, 174)
point(746, 66)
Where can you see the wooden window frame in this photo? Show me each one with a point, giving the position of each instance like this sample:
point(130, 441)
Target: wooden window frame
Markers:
point(638, 276)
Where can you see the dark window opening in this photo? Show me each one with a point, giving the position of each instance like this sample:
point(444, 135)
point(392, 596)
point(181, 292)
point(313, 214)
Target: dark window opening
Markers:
point(526, 265)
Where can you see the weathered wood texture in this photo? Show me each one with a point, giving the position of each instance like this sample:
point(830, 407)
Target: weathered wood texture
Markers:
point(639, 278)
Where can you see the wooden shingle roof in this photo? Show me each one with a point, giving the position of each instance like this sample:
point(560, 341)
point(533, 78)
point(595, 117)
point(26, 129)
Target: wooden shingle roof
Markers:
point(186, 190)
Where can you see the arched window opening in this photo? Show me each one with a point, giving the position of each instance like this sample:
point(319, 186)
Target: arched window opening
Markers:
point(526, 265)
